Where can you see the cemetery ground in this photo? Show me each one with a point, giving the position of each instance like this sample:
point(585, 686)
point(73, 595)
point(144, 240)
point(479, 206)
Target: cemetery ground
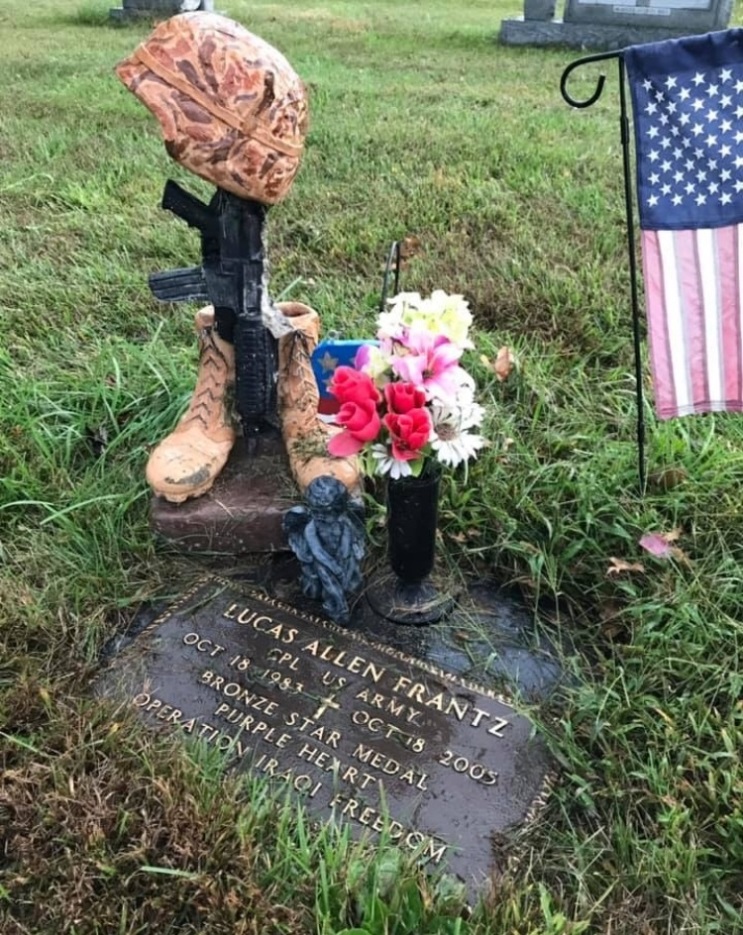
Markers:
point(422, 128)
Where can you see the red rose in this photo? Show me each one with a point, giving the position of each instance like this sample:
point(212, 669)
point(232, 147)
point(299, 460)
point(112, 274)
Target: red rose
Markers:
point(360, 419)
point(353, 386)
point(409, 432)
point(361, 423)
point(402, 397)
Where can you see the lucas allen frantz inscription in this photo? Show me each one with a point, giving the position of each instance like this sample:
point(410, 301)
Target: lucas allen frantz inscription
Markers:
point(362, 732)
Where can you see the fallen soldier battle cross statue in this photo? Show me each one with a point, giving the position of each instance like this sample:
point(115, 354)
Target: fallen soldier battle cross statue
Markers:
point(383, 726)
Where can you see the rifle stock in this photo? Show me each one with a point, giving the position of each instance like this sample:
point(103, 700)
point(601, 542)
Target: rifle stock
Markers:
point(180, 285)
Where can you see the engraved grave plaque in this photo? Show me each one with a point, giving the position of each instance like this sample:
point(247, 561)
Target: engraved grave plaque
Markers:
point(362, 732)
point(692, 15)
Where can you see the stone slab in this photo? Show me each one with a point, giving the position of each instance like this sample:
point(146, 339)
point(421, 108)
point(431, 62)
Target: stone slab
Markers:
point(243, 511)
point(364, 733)
point(518, 31)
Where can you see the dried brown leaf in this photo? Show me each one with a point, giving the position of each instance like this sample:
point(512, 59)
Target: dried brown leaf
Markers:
point(680, 555)
point(668, 478)
point(410, 246)
point(618, 565)
point(610, 631)
point(462, 636)
point(504, 364)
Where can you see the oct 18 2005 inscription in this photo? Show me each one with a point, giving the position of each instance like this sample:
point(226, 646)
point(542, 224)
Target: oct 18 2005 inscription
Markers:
point(363, 733)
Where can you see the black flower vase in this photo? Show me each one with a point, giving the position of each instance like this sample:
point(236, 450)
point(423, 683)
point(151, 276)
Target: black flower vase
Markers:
point(406, 594)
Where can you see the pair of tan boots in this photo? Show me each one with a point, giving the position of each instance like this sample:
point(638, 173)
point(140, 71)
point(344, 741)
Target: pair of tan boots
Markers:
point(188, 461)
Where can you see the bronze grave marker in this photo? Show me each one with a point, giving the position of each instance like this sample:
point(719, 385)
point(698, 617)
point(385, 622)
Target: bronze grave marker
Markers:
point(362, 732)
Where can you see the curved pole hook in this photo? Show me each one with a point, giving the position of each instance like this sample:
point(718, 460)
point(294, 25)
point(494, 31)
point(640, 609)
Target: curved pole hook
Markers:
point(601, 56)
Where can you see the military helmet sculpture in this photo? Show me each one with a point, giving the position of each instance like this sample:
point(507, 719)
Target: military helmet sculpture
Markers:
point(231, 107)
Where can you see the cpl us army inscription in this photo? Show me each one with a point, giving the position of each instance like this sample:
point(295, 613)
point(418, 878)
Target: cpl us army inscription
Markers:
point(362, 732)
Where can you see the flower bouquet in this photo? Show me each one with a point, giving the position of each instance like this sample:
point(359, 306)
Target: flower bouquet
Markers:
point(408, 399)
point(407, 408)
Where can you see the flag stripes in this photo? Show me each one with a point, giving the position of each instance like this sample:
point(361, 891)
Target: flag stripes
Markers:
point(694, 298)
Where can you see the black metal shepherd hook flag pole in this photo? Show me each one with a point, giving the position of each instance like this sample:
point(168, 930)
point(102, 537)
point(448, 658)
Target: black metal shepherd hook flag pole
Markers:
point(687, 120)
point(626, 160)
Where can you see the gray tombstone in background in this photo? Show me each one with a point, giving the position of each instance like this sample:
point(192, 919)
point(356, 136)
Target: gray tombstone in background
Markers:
point(693, 16)
point(614, 24)
point(134, 9)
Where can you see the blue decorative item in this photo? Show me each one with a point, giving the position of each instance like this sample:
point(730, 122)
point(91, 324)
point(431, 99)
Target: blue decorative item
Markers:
point(327, 536)
point(329, 354)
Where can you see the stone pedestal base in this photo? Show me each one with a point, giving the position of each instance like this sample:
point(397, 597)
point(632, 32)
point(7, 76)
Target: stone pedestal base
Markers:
point(417, 603)
point(519, 31)
point(243, 511)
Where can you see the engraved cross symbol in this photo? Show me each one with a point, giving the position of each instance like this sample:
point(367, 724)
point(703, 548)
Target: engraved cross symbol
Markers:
point(326, 703)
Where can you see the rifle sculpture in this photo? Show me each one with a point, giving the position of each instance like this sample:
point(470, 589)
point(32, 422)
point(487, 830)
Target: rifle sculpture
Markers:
point(231, 277)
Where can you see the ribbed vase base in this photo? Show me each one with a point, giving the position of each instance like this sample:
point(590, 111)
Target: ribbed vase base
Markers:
point(413, 603)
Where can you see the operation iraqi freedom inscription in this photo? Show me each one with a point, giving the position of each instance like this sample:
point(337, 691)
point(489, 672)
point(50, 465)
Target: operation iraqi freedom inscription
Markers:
point(362, 732)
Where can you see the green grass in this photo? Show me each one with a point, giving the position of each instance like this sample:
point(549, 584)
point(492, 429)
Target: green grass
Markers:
point(421, 126)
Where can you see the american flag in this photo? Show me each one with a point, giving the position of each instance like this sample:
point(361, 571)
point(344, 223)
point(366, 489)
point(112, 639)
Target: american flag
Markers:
point(687, 97)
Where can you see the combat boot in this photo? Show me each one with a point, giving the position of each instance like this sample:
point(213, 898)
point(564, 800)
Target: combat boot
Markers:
point(305, 435)
point(188, 461)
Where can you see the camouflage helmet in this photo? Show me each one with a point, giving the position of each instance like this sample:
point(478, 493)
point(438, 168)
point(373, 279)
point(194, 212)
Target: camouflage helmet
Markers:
point(231, 108)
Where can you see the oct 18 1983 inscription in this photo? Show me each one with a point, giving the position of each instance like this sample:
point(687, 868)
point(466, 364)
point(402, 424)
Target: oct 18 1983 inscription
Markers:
point(361, 732)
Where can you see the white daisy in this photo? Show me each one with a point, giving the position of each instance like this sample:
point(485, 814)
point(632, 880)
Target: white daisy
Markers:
point(386, 464)
point(450, 438)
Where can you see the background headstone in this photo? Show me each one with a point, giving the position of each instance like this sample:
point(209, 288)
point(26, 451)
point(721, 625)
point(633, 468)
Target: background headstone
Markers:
point(614, 24)
point(133, 9)
point(539, 9)
point(692, 16)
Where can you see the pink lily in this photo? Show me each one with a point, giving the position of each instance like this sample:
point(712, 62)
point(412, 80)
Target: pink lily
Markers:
point(431, 362)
